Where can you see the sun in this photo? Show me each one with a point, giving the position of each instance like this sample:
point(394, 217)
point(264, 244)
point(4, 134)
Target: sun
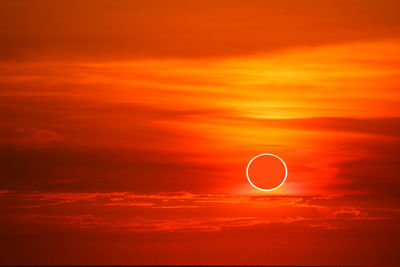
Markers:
point(266, 172)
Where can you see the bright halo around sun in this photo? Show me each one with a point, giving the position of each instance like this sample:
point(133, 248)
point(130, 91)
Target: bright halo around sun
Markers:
point(266, 172)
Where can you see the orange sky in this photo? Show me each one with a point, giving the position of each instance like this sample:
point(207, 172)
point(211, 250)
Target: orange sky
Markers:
point(126, 128)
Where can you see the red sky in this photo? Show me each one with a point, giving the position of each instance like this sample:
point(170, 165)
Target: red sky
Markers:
point(126, 128)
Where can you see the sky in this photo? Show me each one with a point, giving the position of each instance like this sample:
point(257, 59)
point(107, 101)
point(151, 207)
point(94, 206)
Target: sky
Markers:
point(126, 128)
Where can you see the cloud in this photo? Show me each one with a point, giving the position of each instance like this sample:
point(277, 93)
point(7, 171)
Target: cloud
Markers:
point(269, 225)
point(373, 126)
point(354, 241)
point(104, 30)
point(376, 172)
point(350, 213)
point(34, 137)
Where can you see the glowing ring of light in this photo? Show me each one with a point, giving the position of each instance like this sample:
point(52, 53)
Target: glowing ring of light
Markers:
point(262, 189)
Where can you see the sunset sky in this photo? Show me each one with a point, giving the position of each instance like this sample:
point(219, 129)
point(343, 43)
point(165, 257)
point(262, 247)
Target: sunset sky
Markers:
point(126, 128)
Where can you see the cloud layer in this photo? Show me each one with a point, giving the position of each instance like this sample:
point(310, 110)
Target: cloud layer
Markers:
point(125, 133)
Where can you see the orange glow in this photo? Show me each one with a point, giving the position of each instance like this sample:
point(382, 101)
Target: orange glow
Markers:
point(126, 128)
